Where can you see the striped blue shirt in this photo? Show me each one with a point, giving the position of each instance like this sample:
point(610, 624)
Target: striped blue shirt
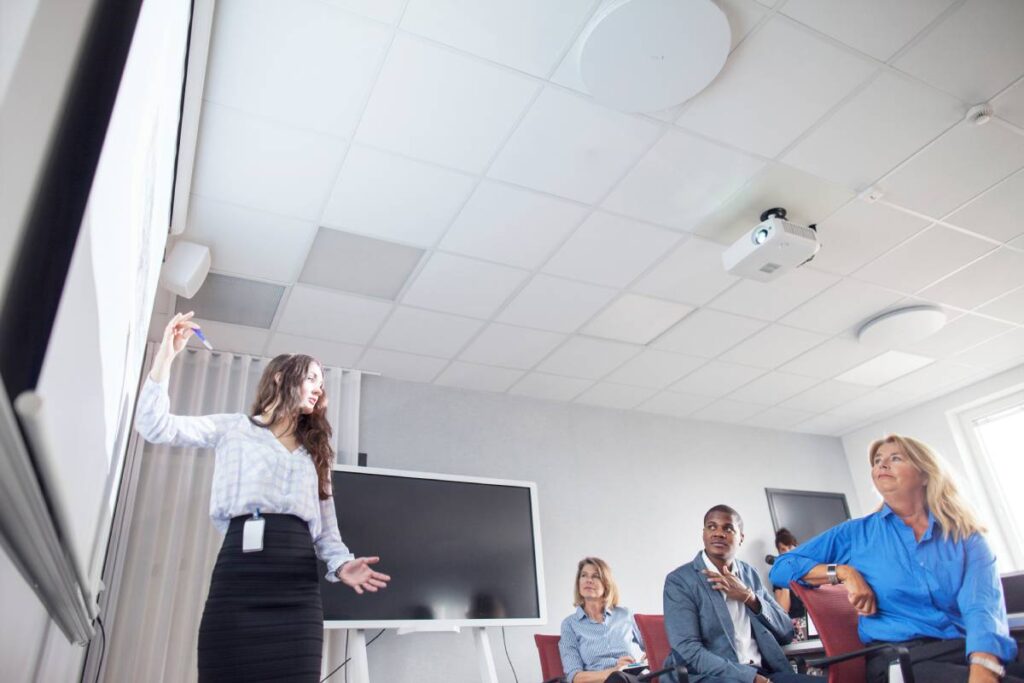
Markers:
point(252, 469)
point(587, 645)
point(935, 587)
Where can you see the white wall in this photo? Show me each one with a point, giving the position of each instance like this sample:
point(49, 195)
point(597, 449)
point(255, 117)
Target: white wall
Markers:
point(629, 487)
point(930, 422)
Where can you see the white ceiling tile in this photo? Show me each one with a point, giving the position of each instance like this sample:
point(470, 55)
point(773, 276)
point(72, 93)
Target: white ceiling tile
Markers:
point(251, 162)
point(960, 164)
point(825, 396)
point(673, 404)
point(274, 59)
point(359, 265)
point(996, 213)
point(830, 359)
point(550, 303)
point(778, 418)
point(706, 333)
point(996, 352)
point(511, 347)
point(236, 338)
point(773, 388)
point(550, 387)
point(620, 396)
point(323, 314)
point(529, 35)
point(933, 378)
point(772, 300)
point(477, 377)
point(884, 368)
point(828, 425)
point(960, 334)
point(249, 243)
point(573, 148)
point(1008, 307)
point(806, 198)
point(924, 259)
point(872, 406)
point(727, 410)
point(610, 250)
point(426, 332)
point(434, 104)
point(680, 180)
point(773, 346)
point(330, 353)
point(404, 366)
point(394, 198)
point(779, 58)
point(716, 379)
point(840, 307)
point(636, 319)
point(455, 284)
point(386, 11)
point(860, 232)
point(876, 27)
point(691, 273)
point(655, 369)
point(882, 125)
point(1010, 104)
point(511, 225)
point(587, 358)
point(985, 57)
point(985, 279)
point(743, 16)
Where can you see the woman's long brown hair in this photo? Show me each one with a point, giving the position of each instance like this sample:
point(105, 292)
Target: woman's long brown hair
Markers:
point(279, 394)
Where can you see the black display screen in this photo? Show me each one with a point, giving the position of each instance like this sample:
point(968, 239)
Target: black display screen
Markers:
point(806, 513)
point(455, 550)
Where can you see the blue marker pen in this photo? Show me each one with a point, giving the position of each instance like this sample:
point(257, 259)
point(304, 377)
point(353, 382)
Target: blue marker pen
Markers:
point(202, 338)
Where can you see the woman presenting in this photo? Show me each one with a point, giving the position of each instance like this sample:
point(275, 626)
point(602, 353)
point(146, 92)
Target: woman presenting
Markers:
point(271, 496)
point(918, 571)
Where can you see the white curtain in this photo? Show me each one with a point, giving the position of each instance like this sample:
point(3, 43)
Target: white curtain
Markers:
point(163, 545)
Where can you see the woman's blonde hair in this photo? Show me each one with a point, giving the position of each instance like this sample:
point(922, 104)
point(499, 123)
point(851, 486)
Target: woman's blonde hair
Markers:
point(943, 499)
point(604, 575)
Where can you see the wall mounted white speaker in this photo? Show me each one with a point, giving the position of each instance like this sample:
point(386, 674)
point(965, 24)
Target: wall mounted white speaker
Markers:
point(185, 268)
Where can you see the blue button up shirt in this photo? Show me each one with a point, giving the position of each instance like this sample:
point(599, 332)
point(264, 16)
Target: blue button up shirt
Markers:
point(587, 645)
point(935, 587)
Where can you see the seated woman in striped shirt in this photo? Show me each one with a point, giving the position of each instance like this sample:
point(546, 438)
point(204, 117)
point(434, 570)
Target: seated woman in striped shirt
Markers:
point(600, 638)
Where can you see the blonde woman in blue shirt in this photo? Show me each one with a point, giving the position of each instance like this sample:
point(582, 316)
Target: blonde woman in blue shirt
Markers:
point(600, 637)
point(918, 571)
point(271, 497)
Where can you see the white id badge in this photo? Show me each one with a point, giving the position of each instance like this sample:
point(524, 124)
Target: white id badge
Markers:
point(252, 535)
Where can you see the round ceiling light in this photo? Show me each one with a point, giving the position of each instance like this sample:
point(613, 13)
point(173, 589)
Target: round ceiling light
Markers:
point(648, 55)
point(902, 326)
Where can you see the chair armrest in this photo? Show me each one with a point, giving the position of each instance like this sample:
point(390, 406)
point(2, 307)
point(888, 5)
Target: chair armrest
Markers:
point(901, 653)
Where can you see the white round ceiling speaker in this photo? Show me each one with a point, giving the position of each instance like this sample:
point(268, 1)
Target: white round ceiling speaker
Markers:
point(902, 326)
point(648, 55)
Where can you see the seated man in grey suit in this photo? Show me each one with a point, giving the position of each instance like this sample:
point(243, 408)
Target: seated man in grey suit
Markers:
point(722, 623)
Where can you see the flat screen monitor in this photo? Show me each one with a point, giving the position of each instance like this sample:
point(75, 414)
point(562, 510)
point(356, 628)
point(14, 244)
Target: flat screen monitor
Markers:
point(806, 513)
point(461, 551)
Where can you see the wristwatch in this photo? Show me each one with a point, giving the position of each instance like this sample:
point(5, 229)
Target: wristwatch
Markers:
point(995, 667)
point(833, 577)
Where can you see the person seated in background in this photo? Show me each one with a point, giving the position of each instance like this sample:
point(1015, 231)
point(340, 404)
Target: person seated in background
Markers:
point(600, 638)
point(721, 622)
point(918, 570)
point(784, 542)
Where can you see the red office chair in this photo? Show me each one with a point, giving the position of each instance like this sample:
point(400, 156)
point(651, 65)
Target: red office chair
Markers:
point(836, 621)
point(652, 630)
point(550, 657)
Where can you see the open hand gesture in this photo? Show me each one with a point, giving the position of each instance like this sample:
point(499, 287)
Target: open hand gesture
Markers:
point(358, 574)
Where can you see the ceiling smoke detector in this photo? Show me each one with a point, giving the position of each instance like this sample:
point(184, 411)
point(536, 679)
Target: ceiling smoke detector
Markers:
point(902, 327)
point(648, 55)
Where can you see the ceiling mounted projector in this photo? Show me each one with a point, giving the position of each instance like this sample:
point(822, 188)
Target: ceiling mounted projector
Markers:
point(648, 55)
point(774, 246)
point(902, 326)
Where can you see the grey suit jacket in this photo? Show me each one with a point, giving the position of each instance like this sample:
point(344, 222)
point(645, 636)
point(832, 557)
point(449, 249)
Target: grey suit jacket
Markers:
point(701, 632)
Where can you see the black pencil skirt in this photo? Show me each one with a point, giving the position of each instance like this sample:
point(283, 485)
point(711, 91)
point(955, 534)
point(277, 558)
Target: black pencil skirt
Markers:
point(263, 619)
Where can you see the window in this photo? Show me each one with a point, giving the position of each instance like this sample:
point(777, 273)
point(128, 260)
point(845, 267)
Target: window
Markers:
point(994, 434)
